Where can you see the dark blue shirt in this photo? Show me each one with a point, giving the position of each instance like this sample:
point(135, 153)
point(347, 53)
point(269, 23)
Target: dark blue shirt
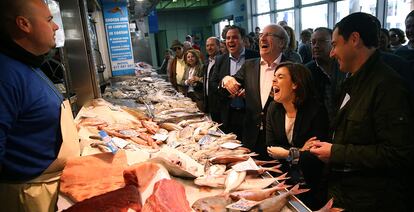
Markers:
point(30, 136)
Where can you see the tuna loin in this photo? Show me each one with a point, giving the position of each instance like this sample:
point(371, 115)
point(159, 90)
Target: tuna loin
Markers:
point(88, 176)
point(168, 196)
point(120, 200)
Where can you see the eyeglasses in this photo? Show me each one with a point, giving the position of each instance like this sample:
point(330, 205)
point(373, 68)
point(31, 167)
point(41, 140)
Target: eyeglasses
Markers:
point(314, 42)
point(269, 34)
point(176, 48)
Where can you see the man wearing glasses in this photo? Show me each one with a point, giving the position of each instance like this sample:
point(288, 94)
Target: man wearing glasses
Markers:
point(255, 77)
point(176, 67)
point(325, 70)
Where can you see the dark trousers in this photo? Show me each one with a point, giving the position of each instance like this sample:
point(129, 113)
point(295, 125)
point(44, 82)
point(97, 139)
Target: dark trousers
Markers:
point(235, 122)
point(215, 116)
point(197, 97)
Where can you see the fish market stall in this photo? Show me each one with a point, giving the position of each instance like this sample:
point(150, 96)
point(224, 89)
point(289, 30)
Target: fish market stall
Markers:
point(160, 132)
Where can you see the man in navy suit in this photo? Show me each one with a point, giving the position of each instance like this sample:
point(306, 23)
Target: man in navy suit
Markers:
point(255, 77)
point(232, 109)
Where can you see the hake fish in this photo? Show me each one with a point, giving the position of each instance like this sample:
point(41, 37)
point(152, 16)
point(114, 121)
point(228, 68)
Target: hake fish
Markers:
point(225, 159)
point(212, 204)
point(277, 203)
point(211, 181)
point(233, 180)
point(257, 194)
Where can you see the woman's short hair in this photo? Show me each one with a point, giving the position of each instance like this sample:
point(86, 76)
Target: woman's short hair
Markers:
point(302, 77)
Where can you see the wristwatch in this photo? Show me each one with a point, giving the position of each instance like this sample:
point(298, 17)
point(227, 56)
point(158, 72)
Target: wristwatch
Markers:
point(293, 157)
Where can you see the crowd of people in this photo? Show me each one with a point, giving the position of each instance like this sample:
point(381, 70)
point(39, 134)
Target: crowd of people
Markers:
point(336, 108)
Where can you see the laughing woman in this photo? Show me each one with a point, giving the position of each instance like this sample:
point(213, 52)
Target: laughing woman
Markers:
point(294, 120)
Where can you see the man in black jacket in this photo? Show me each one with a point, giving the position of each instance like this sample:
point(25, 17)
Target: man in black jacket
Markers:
point(256, 77)
point(372, 148)
point(210, 94)
point(325, 70)
point(232, 109)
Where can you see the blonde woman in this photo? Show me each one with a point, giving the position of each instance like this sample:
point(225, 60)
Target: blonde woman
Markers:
point(193, 76)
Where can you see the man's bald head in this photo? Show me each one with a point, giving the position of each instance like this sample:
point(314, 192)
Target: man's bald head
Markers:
point(9, 10)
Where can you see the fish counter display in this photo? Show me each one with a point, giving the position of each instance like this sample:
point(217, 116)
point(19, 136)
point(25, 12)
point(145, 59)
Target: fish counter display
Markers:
point(146, 147)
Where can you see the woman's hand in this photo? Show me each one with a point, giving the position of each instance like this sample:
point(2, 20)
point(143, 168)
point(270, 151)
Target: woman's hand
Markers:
point(277, 152)
point(308, 144)
point(196, 79)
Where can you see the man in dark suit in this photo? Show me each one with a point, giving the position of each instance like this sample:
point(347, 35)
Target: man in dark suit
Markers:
point(210, 94)
point(232, 109)
point(255, 77)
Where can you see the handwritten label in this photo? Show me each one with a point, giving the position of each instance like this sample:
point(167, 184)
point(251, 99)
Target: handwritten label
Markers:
point(243, 205)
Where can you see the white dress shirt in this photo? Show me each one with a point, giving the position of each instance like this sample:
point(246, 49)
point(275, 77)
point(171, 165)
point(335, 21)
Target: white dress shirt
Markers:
point(266, 78)
point(211, 62)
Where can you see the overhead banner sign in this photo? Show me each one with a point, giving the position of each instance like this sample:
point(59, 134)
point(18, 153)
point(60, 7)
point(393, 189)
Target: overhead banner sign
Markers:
point(153, 21)
point(119, 37)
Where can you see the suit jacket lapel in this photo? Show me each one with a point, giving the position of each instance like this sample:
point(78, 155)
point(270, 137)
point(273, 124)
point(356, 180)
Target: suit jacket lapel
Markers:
point(256, 73)
point(227, 65)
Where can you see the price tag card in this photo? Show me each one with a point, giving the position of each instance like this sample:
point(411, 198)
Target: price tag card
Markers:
point(160, 137)
point(119, 142)
point(214, 133)
point(205, 140)
point(230, 145)
point(174, 144)
point(243, 205)
point(246, 165)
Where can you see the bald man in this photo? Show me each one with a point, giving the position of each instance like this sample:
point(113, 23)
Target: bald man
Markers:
point(210, 95)
point(30, 109)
